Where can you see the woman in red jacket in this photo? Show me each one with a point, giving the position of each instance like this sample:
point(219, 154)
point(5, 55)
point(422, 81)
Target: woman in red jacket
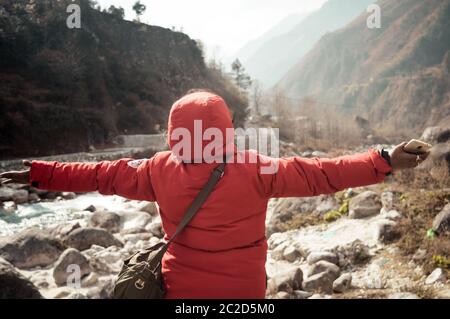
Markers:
point(222, 252)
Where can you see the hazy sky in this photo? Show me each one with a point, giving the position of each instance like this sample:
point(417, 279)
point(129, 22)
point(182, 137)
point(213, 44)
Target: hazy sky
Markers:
point(224, 26)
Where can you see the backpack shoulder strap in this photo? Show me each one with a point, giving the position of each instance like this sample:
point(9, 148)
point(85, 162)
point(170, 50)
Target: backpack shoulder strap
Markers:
point(216, 175)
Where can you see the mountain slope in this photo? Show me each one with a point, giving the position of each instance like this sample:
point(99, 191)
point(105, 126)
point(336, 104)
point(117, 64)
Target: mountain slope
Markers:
point(276, 56)
point(397, 75)
point(284, 26)
point(63, 90)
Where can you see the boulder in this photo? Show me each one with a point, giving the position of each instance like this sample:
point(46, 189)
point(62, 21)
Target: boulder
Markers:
point(14, 285)
point(282, 295)
point(68, 195)
point(300, 294)
point(156, 229)
point(6, 194)
point(148, 207)
point(343, 283)
point(435, 135)
point(62, 230)
point(385, 231)
point(364, 205)
point(438, 275)
point(321, 282)
point(287, 281)
point(20, 196)
point(84, 238)
point(387, 201)
point(324, 266)
point(314, 257)
point(69, 257)
point(31, 248)
point(135, 221)
point(106, 220)
point(291, 254)
point(441, 222)
point(392, 215)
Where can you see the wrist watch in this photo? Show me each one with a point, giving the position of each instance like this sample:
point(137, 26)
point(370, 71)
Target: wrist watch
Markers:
point(385, 154)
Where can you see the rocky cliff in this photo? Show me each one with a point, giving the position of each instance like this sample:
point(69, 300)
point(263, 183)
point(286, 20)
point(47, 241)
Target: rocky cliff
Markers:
point(63, 90)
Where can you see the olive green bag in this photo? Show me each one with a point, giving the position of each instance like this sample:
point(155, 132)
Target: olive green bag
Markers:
point(141, 277)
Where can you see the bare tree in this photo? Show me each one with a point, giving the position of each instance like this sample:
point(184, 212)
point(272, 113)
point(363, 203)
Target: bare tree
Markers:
point(256, 97)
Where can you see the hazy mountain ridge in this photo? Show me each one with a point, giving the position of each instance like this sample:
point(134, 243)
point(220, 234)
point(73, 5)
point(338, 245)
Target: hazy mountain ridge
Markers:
point(63, 90)
point(396, 75)
point(279, 54)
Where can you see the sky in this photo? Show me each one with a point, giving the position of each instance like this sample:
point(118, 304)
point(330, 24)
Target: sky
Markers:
point(223, 26)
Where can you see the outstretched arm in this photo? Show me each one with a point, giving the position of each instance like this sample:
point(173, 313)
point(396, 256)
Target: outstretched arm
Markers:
point(125, 177)
point(301, 177)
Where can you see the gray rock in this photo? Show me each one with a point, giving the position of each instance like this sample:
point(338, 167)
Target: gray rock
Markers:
point(6, 194)
point(325, 266)
point(156, 229)
point(287, 281)
point(135, 220)
point(441, 222)
point(76, 295)
point(387, 200)
point(282, 295)
point(321, 282)
point(392, 215)
point(70, 257)
point(62, 230)
point(435, 134)
point(403, 295)
point(106, 220)
point(322, 255)
point(148, 207)
point(385, 231)
point(14, 285)
point(68, 195)
point(90, 208)
point(33, 198)
point(20, 196)
point(291, 254)
point(84, 238)
point(343, 283)
point(364, 205)
point(300, 294)
point(438, 275)
point(31, 248)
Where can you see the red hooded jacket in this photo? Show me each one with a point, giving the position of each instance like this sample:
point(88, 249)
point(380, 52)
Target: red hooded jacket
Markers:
point(222, 252)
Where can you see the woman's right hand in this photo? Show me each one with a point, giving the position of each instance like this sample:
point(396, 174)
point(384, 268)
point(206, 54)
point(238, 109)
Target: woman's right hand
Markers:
point(17, 177)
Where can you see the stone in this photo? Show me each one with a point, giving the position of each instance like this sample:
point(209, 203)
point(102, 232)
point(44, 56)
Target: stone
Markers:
point(287, 281)
point(385, 231)
point(392, 215)
point(282, 295)
point(322, 266)
point(106, 220)
point(403, 295)
point(420, 254)
point(62, 230)
point(156, 229)
point(291, 254)
point(387, 200)
point(364, 205)
point(321, 282)
point(90, 280)
point(70, 257)
point(6, 194)
point(14, 285)
point(33, 198)
point(300, 294)
point(76, 295)
point(68, 195)
point(31, 248)
point(314, 257)
point(84, 238)
point(148, 207)
point(9, 208)
point(135, 220)
point(343, 283)
point(438, 275)
point(90, 208)
point(441, 222)
point(20, 196)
